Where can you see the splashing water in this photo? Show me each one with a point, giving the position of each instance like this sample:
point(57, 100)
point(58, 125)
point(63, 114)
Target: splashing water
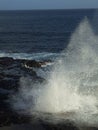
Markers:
point(73, 83)
point(71, 91)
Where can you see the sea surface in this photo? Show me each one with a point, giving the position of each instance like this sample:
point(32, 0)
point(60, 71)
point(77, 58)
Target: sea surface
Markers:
point(35, 34)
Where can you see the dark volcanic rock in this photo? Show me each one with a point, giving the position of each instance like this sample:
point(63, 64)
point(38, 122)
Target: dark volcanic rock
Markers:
point(11, 71)
point(9, 84)
point(6, 61)
point(9, 117)
point(60, 126)
point(39, 125)
point(33, 63)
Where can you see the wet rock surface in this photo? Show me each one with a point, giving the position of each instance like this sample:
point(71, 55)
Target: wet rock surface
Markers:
point(40, 126)
point(11, 71)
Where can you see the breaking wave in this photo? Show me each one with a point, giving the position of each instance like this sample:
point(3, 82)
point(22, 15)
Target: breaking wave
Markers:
point(30, 56)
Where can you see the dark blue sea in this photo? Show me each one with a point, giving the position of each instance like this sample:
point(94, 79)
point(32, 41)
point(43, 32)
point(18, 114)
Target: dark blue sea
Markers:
point(40, 33)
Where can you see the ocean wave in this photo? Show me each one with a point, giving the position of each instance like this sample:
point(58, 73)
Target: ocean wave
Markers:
point(31, 56)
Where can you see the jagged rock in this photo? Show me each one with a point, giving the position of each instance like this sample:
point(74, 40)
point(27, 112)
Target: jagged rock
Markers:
point(32, 63)
point(41, 126)
point(36, 64)
point(9, 117)
point(60, 126)
point(6, 61)
point(9, 84)
point(11, 71)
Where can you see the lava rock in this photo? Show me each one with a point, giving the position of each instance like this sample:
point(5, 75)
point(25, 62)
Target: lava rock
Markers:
point(9, 84)
point(32, 63)
point(11, 70)
point(60, 126)
point(6, 61)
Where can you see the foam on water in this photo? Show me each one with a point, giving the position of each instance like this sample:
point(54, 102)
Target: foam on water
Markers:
point(71, 89)
point(30, 56)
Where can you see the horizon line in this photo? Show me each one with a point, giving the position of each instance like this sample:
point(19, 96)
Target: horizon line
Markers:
point(46, 9)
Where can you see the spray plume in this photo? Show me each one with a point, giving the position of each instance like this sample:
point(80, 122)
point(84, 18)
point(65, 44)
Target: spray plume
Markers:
point(71, 89)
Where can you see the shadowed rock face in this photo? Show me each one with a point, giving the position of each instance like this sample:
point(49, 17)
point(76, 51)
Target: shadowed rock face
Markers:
point(44, 126)
point(10, 72)
point(39, 126)
point(5, 61)
point(33, 63)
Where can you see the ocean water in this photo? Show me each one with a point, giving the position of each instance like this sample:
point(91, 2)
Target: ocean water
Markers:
point(39, 33)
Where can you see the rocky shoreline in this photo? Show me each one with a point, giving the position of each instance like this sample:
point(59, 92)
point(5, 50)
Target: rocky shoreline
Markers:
point(11, 70)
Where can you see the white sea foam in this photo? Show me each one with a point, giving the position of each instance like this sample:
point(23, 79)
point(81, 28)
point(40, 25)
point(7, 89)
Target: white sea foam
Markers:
point(30, 56)
point(71, 89)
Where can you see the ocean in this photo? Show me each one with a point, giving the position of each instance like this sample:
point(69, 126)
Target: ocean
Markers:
point(25, 34)
point(49, 69)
